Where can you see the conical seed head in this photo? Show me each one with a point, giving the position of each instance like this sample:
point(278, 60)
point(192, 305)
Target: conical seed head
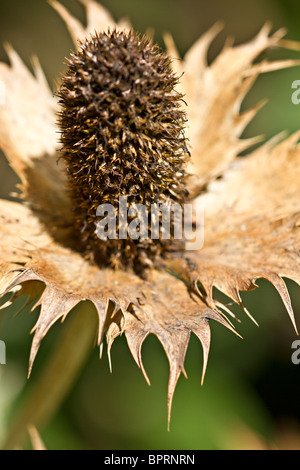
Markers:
point(122, 130)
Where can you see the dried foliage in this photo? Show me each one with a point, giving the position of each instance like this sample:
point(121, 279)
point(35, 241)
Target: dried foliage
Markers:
point(252, 213)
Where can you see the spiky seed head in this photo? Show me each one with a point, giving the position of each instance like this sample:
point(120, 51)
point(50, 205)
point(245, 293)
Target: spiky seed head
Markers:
point(122, 125)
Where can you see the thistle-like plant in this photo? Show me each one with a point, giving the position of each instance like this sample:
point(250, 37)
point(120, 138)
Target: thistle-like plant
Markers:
point(131, 120)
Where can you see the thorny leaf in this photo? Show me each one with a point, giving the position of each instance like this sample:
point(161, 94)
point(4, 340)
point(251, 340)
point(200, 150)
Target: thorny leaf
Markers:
point(251, 224)
point(98, 19)
point(170, 313)
point(28, 137)
point(237, 270)
point(214, 95)
point(67, 276)
point(161, 305)
point(257, 235)
point(262, 184)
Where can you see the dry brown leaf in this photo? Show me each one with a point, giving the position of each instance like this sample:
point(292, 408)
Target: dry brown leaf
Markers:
point(214, 95)
point(252, 215)
point(171, 313)
point(261, 184)
point(34, 256)
point(28, 127)
point(28, 137)
point(98, 19)
point(251, 223)
point(20, 232)
point(70, 279)
point(233, 260)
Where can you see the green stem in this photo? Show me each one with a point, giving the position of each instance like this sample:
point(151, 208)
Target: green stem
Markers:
point(58, 375)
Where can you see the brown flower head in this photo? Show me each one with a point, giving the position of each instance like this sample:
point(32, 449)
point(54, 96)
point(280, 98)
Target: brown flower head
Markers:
point(122, 122)
point(122, 135)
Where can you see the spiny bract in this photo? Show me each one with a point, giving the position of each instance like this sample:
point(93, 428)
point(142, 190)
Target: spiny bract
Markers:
point(122, 134)
point(252, 212)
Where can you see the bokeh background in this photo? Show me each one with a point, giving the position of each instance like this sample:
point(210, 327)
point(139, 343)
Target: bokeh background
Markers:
point(250, 398)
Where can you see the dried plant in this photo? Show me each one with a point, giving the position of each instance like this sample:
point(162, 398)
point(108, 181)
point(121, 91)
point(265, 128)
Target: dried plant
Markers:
point(117, 141)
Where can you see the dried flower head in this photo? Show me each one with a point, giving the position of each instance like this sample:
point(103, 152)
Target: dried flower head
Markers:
point(122, 122)
point(122, 134)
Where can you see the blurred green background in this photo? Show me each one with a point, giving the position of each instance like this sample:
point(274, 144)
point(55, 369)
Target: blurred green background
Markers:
point(251, 391)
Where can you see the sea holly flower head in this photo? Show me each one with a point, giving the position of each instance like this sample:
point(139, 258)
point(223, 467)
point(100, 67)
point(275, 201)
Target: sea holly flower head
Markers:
point(129, 120)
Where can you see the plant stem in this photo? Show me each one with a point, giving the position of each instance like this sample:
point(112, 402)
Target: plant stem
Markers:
point(58, 374)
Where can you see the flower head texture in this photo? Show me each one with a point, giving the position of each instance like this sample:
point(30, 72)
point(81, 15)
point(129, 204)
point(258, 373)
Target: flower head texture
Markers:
point(122, 136)
point(131, 120)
